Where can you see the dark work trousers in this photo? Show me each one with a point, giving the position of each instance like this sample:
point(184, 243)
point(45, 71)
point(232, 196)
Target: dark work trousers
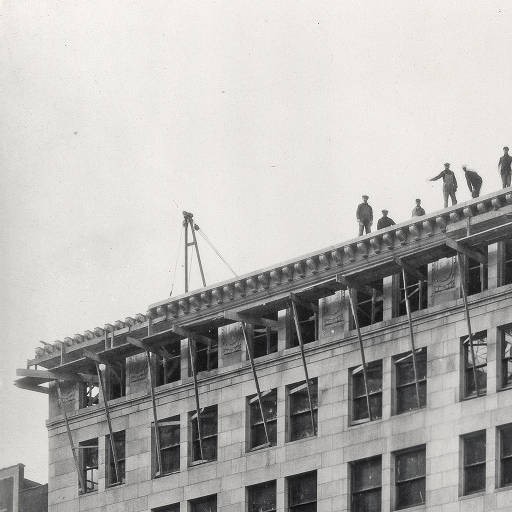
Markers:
point(364, 225)
point(505, 179)
point(448, 192)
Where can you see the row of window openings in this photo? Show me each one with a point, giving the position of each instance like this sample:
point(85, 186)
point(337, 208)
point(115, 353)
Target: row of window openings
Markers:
point(409, 483)
point(301, 422)
point(301, 492)
point(264, 339)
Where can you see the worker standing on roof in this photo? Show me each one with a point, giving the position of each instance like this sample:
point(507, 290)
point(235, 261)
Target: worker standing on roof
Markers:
point(385, 221)
point(504, 167)
point(449, 184)
point(474, 181)
point(418, 210)
point(364, 215)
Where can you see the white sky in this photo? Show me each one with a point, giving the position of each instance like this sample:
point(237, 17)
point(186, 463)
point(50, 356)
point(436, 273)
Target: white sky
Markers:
point(268, 120)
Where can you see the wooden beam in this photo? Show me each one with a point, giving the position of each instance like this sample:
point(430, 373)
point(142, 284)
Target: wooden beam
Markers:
point(250, 319)
point(22, 385)
point(186, 333)
point(48, 375)
point(304, 303)
point(474, 254)
point(413, 271)
point(350, 282)
point(94, 357)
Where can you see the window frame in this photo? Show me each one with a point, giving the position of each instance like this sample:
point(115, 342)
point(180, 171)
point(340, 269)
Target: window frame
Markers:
point(109, 460)
point(500, 457)
point(175, 420)
point(290, 480)
point(268, 334)
point(197, 501)
point(193, 439)
point(291, 390)
point(358, 370)
point(421, 286)
point(162, 361)
point(464, 439)
point(292, 339)
point(376, 297)
point(467, 367)
point(210, 348)
point(422, 382)
point(474, 266)
point(504, 376)
point(116, 376)
point(253, 405)
point(86, 396)
point(368, 489)
point(251, 489)
point(397, 481)
point(84, 446)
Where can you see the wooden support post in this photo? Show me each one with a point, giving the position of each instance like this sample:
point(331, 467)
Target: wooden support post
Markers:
point(109, 422)
point(196, 392)
point(155, 416)
point(361, 349)
point(81, 481)
point(468, 319)
point(411, 337)
point(256, 382)
point(301, 344)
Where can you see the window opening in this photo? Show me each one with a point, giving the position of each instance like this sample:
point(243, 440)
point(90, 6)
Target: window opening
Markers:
point(208, 419)
point(475, 274)
point(410, 478)
point(417, 291)
point(308, 322)
point(116, 379)
point(207, 504)
point(89, 464)
point(169, 432)
point(262, 497)
point(89, 394)
point(119, 444)
point(506, 356)
point(359, 403)
point(507, 262)
point(300, 424)
point(366, 483)
point(207, 351)
point(302, 493)
point(369, 304)
point(264, 338)
point(257, 427)
point(474, 462)
point(168, 363)
point(406, 396)
point(505, 455)
point(475, 368)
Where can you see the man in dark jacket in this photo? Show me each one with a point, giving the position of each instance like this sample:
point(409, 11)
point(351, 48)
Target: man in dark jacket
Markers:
point(385, 221)
point(364, 215)
point(474, 181)
point(504, 167)
point(418, 210)
point(449, 184)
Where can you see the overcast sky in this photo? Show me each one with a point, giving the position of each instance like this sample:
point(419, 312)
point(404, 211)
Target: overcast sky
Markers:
point(268, 120)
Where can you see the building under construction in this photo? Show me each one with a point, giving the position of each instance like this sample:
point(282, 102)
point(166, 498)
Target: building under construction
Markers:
point(372, 375)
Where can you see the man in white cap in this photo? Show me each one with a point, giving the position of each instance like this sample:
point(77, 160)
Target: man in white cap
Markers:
point(449, 184)
point(385, 221)
point(364, 215)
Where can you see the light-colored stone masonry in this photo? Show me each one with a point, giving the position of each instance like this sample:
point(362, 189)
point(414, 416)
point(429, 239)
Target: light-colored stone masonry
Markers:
point(438, 426)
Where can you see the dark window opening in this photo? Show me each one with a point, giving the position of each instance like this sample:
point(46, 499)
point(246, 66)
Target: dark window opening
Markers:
point(474, 462)
point(89, 464)
point(119, 445)
point(410, 478)
point(206, 353)
point(300, 424)
point(169, 435)
point(368, 301)
point(262, 497)
point(264, 339)
point(302, 492)
point(116, 380)
point(167, 508)
point(506, 356)
point(476, 274)
point(257, 427)
point(366, 483)
point(168, 363)
point(479, 367)
point(208, 422)
point(406, 389)
point(308, 323)
point(417, 291)
point(207, 504)
point(374, 380)
point(507, 262)
point(89, 394)
point(505, 455)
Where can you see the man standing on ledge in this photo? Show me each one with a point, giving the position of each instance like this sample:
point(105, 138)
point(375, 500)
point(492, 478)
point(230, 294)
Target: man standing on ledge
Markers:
point(364, 215)
point(449, 184)
point(474, 181)
point(418, 210)
point(504, 167)
point(385, 221)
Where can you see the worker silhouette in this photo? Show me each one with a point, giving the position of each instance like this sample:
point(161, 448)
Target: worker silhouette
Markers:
point(385, 221)
point(364, 215)
point(418, 210)
point(504, 167)
point(449, 184)
point(474, 181)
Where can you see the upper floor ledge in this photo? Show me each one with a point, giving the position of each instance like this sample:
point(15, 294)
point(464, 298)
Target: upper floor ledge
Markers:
point(480, 215)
